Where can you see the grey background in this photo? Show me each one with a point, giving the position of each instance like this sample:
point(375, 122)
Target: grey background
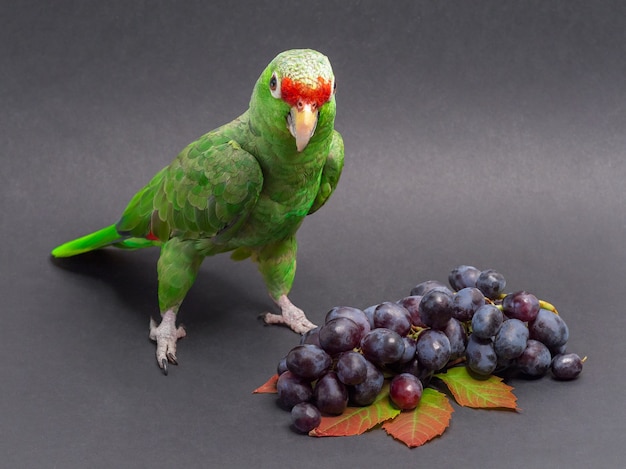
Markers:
point(484, 133)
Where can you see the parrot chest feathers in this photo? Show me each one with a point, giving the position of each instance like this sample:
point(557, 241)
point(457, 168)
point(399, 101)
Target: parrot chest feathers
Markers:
point(275, 215)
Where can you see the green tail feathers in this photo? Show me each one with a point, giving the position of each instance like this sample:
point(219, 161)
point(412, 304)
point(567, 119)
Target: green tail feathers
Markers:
point(99, 239)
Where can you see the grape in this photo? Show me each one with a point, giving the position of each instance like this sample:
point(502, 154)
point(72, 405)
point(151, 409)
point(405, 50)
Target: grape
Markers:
point(416, 369)
point(463, 276)
point(382, 346)
point(424, 287)
point(410, 348)
point(504, 363)
point(521, 305)
point(405, 391)
point(486, 321)
point(339, 335)
point(491, 283)
point(480, 355)
point(354, 314)
point(311, 337)
point(436, 309)
point(305, 417)
point(465, 303)
point(412, 367)
point(455, 332)
point(330, 394)
point(510, 341)
point(351, 368)
point(365, 393)
point(549, 328)
point(369, 314)
point(308, 361)
point(433, 349)
point(282, 366)
point(535, 360)
point(392, 316)
point(412, 303)
point(566, 366)
point(292, 390)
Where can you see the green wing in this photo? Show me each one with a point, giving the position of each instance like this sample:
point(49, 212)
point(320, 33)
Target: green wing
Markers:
point(330, 173)
point(206, 191)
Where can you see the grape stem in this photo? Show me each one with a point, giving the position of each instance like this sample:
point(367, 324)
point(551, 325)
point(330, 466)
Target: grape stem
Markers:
point(416, 331)
point(549, 306)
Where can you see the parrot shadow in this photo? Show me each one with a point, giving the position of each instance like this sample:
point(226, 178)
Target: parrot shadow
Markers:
point(134, 280)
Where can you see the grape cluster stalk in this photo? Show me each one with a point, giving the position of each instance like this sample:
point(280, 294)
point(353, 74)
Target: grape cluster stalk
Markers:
point(471, 322)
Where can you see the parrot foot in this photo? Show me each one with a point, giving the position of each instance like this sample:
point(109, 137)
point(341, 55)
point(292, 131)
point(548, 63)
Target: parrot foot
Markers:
point(290, 316)
point(165, 335)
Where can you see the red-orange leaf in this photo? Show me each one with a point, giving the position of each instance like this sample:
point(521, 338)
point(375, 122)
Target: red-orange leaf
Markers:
point(429, 420)
point(356, 420)
point(486, 393)
point(269, 387)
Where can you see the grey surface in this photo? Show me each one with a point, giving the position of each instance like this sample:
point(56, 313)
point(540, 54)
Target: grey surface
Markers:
point(484, 133)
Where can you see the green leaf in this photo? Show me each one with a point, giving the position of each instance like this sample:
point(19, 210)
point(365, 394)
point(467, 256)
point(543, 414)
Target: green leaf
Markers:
point(269, 387)
point(356, 420)
point(489, 393)
point(428, 420)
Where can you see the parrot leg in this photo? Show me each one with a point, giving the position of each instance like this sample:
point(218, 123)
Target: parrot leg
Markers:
point(177, 268)
point(290, 316)
point(165, 335)
point(277, 264)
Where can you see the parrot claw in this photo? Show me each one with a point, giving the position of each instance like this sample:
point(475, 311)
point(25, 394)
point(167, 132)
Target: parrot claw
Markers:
point(165, 335)
point(291, 316)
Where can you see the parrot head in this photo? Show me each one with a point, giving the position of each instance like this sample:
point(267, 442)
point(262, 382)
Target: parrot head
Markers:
point(295, 89)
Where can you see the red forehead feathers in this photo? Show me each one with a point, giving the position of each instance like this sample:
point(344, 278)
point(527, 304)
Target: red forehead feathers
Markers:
point(292, 91)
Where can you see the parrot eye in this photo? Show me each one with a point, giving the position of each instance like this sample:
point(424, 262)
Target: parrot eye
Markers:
point(275, 86)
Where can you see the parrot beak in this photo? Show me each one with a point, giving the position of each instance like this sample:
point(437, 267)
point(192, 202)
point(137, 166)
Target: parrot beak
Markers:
point(301, 121)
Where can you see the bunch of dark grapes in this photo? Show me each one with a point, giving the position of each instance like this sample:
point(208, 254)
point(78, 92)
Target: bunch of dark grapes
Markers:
point(473, 322)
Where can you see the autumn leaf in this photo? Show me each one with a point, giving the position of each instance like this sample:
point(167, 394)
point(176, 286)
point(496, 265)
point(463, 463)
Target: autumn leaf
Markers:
point(486, 393)
point(269, 387)
point(428, 420)
point(356, 420)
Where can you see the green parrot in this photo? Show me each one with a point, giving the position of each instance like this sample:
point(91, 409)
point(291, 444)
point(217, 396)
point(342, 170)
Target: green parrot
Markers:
point(243, 188)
